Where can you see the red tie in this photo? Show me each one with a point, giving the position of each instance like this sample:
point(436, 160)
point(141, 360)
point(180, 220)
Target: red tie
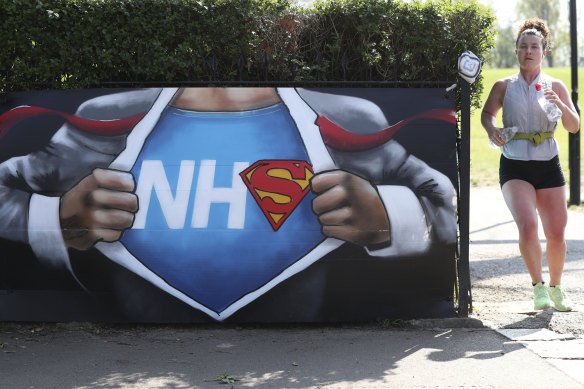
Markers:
point(338, 138)
point(102, 127)
point(333, 135)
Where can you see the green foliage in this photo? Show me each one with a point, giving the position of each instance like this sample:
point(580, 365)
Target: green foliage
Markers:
point(82, 43)
point(503, 54)
point(224, 379)
point(392, 323)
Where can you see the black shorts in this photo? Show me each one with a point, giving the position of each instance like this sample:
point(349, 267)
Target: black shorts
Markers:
point(540, 174)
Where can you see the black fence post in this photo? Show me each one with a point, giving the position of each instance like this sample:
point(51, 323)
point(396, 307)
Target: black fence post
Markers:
point(574, 139)
point(318, 61)
point(345, 64)
point(464, 297)
point(266, 61)
point(396, 68)
point(293, 66)
point(5, 86)
point(240, 66)
point(214, 65)
point(447, 69)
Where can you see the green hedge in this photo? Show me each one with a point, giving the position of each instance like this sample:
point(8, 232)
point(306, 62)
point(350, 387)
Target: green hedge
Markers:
point(83, 43)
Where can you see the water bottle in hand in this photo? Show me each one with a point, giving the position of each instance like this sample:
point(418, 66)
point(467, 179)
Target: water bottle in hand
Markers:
point(508, 133)
point(551, 110)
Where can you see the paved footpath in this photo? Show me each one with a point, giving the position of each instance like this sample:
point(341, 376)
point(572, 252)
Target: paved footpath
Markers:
point(501, 291)
point(84, 356)
point(451, 353)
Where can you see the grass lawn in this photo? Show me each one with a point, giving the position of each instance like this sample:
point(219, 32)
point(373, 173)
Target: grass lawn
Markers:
point(484, 161)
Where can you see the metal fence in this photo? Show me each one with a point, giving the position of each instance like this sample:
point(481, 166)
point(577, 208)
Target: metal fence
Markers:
point(461, 91)
point(320, 72)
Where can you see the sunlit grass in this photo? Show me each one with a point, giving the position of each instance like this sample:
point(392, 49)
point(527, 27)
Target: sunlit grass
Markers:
point(484, 168)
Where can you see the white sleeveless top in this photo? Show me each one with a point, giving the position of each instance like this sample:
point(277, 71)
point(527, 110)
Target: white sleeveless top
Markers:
point(521, 109)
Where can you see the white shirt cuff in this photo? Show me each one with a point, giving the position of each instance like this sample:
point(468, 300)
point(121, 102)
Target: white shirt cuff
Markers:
point(407, 220)
point(44, 231)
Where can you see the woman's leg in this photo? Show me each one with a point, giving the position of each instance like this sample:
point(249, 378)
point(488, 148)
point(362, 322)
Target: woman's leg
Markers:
point(521, 199)
point(551, 205)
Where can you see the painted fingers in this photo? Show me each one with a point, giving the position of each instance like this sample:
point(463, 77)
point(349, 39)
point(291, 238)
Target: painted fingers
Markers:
point(99, 208)
point(349, 208)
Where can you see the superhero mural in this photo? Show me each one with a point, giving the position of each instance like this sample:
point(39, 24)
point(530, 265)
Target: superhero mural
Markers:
point(236, 204)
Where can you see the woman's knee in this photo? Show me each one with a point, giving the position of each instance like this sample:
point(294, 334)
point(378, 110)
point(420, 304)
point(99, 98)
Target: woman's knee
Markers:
point(554, 227)
point(555, 234)
point(528, 229)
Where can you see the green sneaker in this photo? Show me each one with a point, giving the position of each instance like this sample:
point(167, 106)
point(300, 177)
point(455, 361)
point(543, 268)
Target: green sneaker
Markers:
point(541, 296)
point(561, 301)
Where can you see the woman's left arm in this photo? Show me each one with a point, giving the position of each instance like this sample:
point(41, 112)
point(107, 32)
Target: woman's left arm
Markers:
point(570, 118)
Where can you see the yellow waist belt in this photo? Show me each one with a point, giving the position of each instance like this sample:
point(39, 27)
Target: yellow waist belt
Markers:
point(535, 137)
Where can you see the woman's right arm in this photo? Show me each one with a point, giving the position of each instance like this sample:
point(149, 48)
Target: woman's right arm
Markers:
point(492, 106)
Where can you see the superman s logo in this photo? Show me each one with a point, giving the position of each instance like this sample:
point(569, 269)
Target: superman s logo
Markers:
point(278, 186)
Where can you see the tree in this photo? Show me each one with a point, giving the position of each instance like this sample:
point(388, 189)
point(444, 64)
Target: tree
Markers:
point(503, 54)
point(548, 10)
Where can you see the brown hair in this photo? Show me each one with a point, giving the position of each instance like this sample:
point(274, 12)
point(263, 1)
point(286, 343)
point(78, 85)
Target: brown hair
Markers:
point(535, 27)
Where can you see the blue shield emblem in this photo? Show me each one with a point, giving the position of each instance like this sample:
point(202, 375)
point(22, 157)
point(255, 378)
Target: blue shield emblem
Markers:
point(199, 228)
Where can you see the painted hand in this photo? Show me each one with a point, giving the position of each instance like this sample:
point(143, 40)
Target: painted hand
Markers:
point(349, 208)
point(99, 208)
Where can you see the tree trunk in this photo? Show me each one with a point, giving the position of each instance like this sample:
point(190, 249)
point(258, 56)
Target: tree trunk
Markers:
point(550, 59)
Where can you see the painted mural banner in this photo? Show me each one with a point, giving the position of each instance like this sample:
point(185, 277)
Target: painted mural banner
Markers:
point(235, 204)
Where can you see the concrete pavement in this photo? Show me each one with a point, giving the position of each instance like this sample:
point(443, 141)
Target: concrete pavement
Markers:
point(502, 294)
point(447, 353)
point(364, 356)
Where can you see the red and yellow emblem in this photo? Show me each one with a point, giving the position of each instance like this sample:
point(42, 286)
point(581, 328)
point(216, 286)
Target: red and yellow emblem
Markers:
point(278, 186)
